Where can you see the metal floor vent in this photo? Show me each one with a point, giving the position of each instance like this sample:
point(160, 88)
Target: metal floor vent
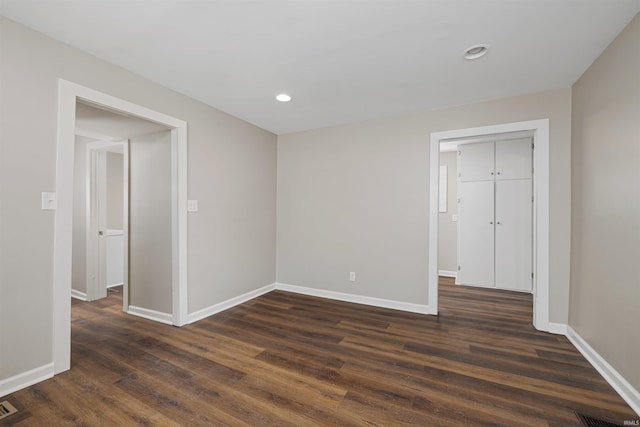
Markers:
point(6, 409)
point(589, 421)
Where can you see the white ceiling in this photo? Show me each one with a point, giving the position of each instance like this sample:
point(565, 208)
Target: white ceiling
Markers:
point(98, 123)
point(341, 61)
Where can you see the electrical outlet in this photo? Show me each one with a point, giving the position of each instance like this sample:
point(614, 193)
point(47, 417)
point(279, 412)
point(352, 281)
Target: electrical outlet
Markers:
point(454, 217)
point(352, 276)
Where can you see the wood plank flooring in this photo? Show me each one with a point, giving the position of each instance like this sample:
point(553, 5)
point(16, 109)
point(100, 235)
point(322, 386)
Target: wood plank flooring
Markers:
point(286, 359)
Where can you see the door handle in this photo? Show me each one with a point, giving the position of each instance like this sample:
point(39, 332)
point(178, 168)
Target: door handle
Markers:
point(100, 232)
point(491, 222)
point(499, 223)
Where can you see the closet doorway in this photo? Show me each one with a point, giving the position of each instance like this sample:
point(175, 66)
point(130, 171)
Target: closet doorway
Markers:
point(539, 131)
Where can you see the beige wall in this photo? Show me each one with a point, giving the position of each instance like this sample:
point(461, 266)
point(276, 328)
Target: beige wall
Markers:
point(115, 186)
point(448, 229)
point(605, 277)
point(232, 172)
point(150, 282)
point(355, 198)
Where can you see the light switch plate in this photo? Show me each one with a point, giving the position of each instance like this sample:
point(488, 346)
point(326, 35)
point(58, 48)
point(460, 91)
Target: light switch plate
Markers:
point(192, 206)
point(49, 201)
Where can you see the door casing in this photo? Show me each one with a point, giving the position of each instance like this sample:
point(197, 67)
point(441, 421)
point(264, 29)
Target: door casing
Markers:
point(68, 94)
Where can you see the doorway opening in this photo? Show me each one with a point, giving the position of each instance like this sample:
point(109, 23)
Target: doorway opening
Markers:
point(70, 96)
point(539, 129)
point(100, 211)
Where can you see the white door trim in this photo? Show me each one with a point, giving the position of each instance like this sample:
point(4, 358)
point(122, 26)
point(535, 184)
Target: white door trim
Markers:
point(68, 94)
point(540, 130)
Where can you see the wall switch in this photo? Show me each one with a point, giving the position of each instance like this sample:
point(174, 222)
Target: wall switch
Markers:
point(454, 218)
point(49, 201)
point(352, 276)
point(192, 206)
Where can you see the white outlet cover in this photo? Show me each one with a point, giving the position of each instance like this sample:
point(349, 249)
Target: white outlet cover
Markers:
point(454, 217)
point(49, 201)
point(192, 206)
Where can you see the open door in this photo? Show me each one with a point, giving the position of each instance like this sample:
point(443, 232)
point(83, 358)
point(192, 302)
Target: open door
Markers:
point(96, 218)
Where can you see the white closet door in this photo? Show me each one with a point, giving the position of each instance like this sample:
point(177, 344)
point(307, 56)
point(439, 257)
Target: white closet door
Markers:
point(476, 234)
point(476, 162)
point(513, 238)
point(514, 159)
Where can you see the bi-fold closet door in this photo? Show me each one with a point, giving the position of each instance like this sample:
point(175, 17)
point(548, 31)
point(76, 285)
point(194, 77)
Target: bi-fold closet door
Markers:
point(495, 214)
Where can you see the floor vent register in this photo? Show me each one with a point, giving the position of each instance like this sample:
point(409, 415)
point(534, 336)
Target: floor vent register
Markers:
point(6, 409)
point(589, 421)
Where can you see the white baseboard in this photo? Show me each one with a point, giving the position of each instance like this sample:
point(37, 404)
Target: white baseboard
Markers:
point(613, 377)
point(557, 328)
point(25, 379)
point(114, 285)
point(78, 295)
point(225, 305)
point(158, 316)
point(358, 299)
point(447, 273)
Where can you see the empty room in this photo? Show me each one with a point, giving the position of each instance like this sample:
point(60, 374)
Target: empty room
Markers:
point(309, 212)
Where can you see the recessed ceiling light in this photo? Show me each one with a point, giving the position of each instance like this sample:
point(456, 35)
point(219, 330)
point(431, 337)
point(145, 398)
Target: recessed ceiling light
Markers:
point(477, 51)
point(283, 97)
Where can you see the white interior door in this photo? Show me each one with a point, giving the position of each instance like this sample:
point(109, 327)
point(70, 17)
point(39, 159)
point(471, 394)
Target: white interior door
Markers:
point(514, 159)
point(96, 218)
point(476, 162)
point(96, 222)
point(513, 238)
point(476, 233)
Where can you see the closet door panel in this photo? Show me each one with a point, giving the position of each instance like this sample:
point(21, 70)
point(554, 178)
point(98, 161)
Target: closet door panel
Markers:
point(514, 159)
point(476, 233)
point(513, 238)
point(476, 162)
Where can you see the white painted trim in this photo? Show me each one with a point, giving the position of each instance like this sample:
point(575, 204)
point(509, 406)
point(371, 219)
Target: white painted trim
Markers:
point(232, 302)
point(158, 316)
point(82, 296)
point(114, 285)
point(68, 94)
point(447, 273)
point(25, 379)
point(63, 223)
point(434, 198)
point(540, 215)
point(557, 328)
point(179, 223)
point(613, 377)
point(125, 226)
point(358, 299)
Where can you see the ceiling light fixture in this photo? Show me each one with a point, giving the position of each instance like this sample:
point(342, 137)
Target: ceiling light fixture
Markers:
point(477, 51)
point(283, 97)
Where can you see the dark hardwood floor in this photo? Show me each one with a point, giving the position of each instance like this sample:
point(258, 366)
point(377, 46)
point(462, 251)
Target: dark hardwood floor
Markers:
point(288, 359)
